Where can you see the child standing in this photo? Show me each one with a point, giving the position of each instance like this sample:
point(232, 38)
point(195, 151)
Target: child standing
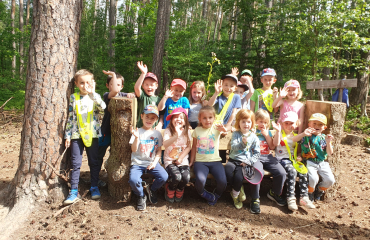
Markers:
point(270, 163)
point(176, 141)
point(82, 132)
point(115, 85)
point(316, 147)
point(246, 78)
point(197, 92)
point(146, 152)
point(175, 93)
point(245, 150)
point(205, 156)
point(264, 97)
point(286, 151)
point(288, 101)
point(149, 82)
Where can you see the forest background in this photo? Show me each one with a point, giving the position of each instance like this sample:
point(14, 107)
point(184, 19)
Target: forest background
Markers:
point(304, 40)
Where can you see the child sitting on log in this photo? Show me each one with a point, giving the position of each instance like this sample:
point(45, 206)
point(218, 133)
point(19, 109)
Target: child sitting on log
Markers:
point(316, 147)
point(146, 152)
point(82, 132)
point(176, 141)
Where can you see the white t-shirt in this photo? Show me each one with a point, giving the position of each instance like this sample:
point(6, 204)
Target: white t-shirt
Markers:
point(149, 142)
point(281, 150)
point(194, 112)
point(173, 152)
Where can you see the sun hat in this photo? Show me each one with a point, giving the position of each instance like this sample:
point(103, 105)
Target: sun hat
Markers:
point(240, 84)
point(268, 72)
point(292, 83)
point(246, 72)
point(233, 77)
point(151, 109)
point(252, 174)
point(289, 117)
point(152, 76)
point(178, 82)
point(319, 117)
point(176, 111)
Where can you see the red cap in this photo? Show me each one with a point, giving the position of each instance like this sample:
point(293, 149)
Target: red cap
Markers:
point(152, 76)
point(175, 112)
point(178, 82)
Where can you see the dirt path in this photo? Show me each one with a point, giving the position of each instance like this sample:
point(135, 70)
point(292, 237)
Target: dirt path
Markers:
point(345, 217)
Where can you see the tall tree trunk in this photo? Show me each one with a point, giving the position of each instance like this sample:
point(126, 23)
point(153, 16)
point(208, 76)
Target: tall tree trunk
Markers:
point(165, 73)
point(28, 12)
point(219, 9)
point(160, 36)
point(12, 16)
point(21, 40)
point(51, 65)
point(96, 6)
point(105, 16)
point(112, 31)
point(220, 26)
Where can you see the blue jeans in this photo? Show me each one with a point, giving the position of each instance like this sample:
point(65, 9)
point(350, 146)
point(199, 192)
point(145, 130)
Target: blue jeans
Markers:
point(201, 170)
point(160, 176)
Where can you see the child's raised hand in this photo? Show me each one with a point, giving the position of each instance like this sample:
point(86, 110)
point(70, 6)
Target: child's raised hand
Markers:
point(143, 68)
point(218, 86)
point(275, 91)
point(308, 131)
point(110, 73)
point(235, 71)
point(91, 87)
point(221, 128)
point(244, 139)
point(263, 130)
point(169, 93)
point(135, 132)
point(131, 95)
point(276, 126)
point(283, 92)
point(329, 138)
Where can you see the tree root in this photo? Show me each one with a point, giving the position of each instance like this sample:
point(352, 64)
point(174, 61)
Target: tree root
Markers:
point(64, 177)
point(54, 173)
point(62, 209)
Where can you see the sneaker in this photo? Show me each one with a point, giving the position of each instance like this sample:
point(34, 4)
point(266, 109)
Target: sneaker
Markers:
point(208, 196)
point(238, 204)
point(255, 206)
point(169, 195)
point(292, 205)
point(179, 195)
point(318, 194)
point(152, 195)
point(95, 194)
point(311, 196)
point(276, 198)
point(102, 183)
point(242, 196)
point(305, 201)
point(72, 197)
point(212, 203)
point(141, 203)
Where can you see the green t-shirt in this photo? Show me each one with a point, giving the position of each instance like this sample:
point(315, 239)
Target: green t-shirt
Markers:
point(259, 103)
point(142, 102)
point(314, 148)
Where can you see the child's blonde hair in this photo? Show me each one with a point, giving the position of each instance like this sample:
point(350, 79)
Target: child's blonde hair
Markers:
point(82, 72)
point(199, 85)
point(262, 114)
point(205, 109)
point(244, 114)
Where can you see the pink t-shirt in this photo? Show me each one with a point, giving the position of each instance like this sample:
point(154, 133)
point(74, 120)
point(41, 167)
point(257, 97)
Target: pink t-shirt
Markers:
point(174, 150)
point(286, 107)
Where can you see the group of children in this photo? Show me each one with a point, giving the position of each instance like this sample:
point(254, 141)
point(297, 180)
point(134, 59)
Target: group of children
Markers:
point(235, 106)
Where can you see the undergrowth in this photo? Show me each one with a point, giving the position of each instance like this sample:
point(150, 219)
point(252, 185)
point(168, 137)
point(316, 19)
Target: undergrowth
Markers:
point(354, 122)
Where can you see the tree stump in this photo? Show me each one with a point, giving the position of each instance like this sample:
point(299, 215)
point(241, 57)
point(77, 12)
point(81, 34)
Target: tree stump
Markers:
point(336, 114)
point(123, 116)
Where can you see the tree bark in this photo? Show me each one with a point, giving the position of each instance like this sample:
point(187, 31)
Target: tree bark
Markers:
point(51, 65)
point(21, 40)
point(28, 12)
point(123, 112)
point(219, 9)
point(112, 31)
point(160, 36)
point(220, 26)
point(96, 6)
point(12, 16)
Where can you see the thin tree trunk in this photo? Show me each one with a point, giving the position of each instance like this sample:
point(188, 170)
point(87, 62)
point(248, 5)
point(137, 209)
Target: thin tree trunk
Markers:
point(28, 12)
point(165, 73)
point(219, 9)
point(105, 16)
point(220, 26)
point(21, 40)
point(51, 65)
point(160, 36)
point(12, 16)
point(112, 31)
point(96, 6)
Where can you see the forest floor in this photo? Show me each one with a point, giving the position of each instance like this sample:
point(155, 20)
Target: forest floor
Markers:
point(347, 216)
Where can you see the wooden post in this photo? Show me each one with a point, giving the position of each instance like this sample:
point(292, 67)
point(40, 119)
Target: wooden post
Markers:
point(123, 116)
point(321, 93)
point(340, 97)
point(336, 114)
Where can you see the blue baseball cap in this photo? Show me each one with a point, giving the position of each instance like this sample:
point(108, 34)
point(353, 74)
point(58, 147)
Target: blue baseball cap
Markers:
point(268, 72)
point(151, 109)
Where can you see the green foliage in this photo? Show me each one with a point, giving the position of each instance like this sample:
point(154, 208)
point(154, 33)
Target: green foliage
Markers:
point(355, 122)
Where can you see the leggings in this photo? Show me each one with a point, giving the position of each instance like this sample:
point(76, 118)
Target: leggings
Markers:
point(178, 177)
point(290, 180)
point(201, 170)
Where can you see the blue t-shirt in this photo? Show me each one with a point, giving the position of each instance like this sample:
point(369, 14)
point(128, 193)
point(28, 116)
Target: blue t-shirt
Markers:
point(221, 101)
point(264, 147)
point(172, 105)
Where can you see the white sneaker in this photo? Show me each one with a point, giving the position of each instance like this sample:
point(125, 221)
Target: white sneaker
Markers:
point(305, 201)
point(292, 204)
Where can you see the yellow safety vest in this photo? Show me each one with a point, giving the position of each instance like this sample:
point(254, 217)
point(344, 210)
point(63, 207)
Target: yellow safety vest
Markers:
point(267, 98)
point(85, 129)
point(220, 117)
point(299, 166)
